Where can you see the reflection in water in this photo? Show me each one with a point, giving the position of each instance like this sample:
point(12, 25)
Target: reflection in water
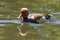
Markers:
point(40, 30)
point(19, 22)
point(2, 24)
point(3, 37)
point(32, 24)
point(10, 21)
point(55, 22)
point(1, 15)
point(56, 13)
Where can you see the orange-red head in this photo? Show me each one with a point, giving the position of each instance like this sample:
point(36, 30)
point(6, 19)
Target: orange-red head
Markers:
point(24, 12)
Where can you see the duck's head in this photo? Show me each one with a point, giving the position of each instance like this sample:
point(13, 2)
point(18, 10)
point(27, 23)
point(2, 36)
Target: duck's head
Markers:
point(24, 11)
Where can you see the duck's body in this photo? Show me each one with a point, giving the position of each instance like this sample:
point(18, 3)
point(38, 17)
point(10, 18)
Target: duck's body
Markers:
point(35, 16)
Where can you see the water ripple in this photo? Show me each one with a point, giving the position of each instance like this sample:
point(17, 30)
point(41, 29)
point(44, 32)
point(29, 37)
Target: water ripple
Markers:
point(2, 24)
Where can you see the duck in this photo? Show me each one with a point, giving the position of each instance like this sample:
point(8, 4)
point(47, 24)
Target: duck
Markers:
point(32, 17)
point(26, 16)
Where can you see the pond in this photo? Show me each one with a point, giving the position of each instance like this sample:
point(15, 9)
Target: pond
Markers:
point(51, 30)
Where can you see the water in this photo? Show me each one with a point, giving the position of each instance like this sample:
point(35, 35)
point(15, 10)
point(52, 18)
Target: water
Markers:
point(58, 13)
point(2, 24)
point(9, 21)
point(56, 22)
point(17, 22)
point(36, 31)
point(31, 24)
point(9, 10)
